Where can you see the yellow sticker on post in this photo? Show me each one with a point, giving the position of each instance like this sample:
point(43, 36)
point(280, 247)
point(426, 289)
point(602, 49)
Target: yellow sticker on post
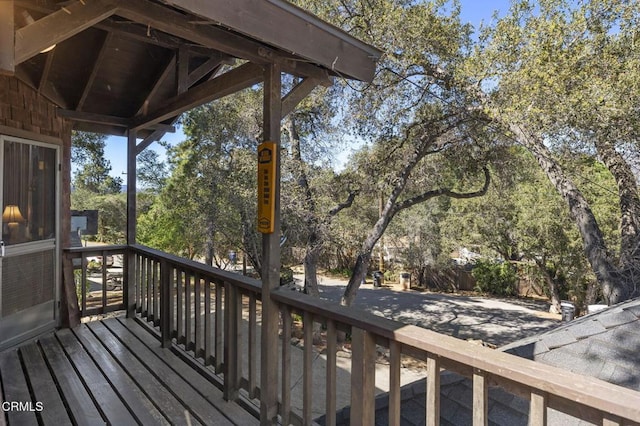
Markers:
point(266, 187)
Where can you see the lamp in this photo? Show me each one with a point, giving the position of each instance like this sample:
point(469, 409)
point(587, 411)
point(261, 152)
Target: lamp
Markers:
point(12, 215)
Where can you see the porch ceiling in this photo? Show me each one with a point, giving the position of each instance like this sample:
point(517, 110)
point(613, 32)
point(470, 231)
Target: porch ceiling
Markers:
point(121, 64)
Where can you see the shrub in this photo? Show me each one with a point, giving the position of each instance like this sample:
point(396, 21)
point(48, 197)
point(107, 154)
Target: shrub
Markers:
point(497, 278)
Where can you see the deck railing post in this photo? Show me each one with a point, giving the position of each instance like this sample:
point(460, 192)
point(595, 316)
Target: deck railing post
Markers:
point(165, 310)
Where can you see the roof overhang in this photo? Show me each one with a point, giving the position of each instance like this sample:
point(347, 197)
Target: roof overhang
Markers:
point(138, 64)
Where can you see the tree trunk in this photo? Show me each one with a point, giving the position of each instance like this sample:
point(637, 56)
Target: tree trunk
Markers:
point(553, 287)
point(209, 244)
point(358, 274)
point(629, 201)
point(613, 288)
point(311, 271)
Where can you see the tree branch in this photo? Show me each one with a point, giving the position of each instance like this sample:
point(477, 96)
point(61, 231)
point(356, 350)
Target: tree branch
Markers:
point(445, 192)
point(337, 209)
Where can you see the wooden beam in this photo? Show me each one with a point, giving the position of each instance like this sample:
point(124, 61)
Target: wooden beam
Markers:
point(210, 65)
point(7, 58)
point(143, 110)
point(44, 77)
point(230, 82)
point(94, 71)
point(90, 117)
point(59, 26)
point(177, 24)
point(290, 28)
point(299, 92)
point(156, 135)
point(108, 120)
point(182, 70)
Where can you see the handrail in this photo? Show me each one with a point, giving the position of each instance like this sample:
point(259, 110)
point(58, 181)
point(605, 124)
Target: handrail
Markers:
point(577, 395)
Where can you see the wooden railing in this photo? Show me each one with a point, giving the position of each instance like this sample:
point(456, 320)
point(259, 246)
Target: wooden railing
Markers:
point(99, 274)
point(214, 316)
point(544, 386)
point(204, 310)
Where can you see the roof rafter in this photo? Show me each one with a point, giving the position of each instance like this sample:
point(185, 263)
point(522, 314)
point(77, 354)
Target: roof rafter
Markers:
point(230, 82)
point(59, 26)
point(94, 71)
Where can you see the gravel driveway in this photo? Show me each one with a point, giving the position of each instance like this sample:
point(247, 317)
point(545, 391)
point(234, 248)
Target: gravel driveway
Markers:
point(494, 321)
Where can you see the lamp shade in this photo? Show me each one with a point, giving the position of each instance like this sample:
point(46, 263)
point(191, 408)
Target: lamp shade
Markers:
point(11, 214)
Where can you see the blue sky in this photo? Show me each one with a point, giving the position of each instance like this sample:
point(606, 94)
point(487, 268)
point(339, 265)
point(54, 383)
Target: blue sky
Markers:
point(473, 11)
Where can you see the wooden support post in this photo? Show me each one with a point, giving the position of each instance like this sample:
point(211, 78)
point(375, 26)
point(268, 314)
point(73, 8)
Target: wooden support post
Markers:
point(363, 367)
point(271, 257)
point(130, 286)
point(7, 51)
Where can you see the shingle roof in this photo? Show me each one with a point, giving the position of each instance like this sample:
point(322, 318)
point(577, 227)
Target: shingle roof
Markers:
point(604, 345)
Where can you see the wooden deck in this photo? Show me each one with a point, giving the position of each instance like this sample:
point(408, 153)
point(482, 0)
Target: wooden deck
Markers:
point(108, 372)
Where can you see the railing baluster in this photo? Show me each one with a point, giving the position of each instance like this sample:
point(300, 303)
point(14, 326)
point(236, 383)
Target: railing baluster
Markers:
point(83, 285)
point(285, 409)
point(129, 284)
point(155, 293)
point(307, 369)
point(538, 408)
point(480, 399)
point(165, 295)
point(232, 310)
point(173, 278)
point(197, 311)
point(103, 273)
point(180, 334)
point(208, 318)
point(395, 357)
point(433, 391)
point(331, 382)
point(219, 328)
point(143, 287)
point(188, 343)
point(610, 420)
point(253, 358)
point(362, 381)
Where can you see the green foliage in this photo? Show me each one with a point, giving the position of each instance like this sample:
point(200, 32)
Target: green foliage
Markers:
point(497, 278)
point(92, 174)
point(112, 213)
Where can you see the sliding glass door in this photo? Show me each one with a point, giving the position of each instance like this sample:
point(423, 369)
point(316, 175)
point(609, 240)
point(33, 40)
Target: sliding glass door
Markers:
point(28, 249)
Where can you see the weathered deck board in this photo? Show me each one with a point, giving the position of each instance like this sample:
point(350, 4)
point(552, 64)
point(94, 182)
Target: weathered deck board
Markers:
point(202, 409)
point(197, 380)
point(44, 387)
point(109, 373)
point(15, 388)
point(135, 399)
